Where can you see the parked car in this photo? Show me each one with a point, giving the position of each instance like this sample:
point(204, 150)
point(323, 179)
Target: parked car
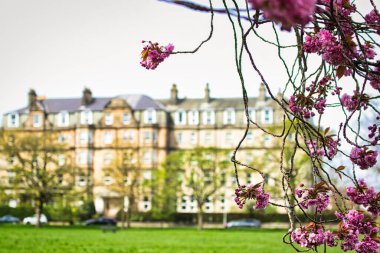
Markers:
point(9, 219)
point(32, 220)
point(247, 223)
point(101, 221)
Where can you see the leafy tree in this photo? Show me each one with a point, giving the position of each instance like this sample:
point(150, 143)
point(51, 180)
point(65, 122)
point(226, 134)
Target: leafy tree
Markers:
point(125, 179)
point(38, 172)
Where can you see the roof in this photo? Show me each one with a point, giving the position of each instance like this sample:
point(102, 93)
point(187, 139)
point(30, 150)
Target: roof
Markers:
point(56, 105)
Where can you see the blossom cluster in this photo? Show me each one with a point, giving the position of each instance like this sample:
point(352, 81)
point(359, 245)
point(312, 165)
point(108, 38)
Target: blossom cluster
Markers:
point(363, 157)
point(373, 20)
point(318, 150)
point(354, 102)
point(153, 54)
point(284, 11)
point(328, 46)
point(312, 235)
point(354, 226)
point(375, 77)
point(313, 197)
point(373, 129)
point(315, 99)
point(365, 196)
point(244, 193)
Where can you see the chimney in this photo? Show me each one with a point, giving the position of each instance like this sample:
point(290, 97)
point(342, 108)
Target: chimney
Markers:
point(262, 92)
point(207, 93)
point(87, 97)
point(174, 94)
point(32, 99)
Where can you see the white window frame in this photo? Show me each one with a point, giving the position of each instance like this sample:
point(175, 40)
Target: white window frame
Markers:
point(61, 159)
point(228, 137)
point(208, 117)
point(147, 158)
point(83, 137)
point(13, 122)
point(264, 118)
point(82, 157)
point(126, 118)
point(180, 117)
point(252, 113)
point(249, 137)
point(108, 137)
point(63, 119)
point(193, 117)
point(36, 120)
point(150, 116)
point(107, 159)
point(86, 117)
point(179, 137)
point(193, 138)
point(229, 117)
point(208, 137)
point(128, 135)
point(108, 119)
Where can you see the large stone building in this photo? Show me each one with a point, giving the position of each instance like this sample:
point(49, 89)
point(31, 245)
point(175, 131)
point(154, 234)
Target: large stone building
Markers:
point(150, 128)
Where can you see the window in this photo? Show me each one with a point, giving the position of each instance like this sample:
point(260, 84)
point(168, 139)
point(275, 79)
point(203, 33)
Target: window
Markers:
point(147, 157)
point(107, 179)
point(126, 118)
point(252, 114)
point(154, 136)
point(193, 138)
point(83, 137)
point(208, 138)
point(13, 120)
point(208, 117)
point(36, 120)
point(61, 138)
point(128, 136)
point(147, 175)
point(146, 136)
point(82, 157)
point(86, 117)
point(249, 178)
point(228, 137)
point(248, 158)
point(267, 116)
point(61, 159)
point(63, 119)
point(108, 137)
point(107, 159)
point(229, 116)
point(194, 117)
point(11, 176)
point(81, 181)
point(150, 116)
point(249, 137)
point(108, 120)
point(179, 138)
point(180, 117)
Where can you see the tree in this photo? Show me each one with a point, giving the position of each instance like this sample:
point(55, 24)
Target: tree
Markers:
point(36, 166)
point(166, 186)
point(334, 71)
point(125, 179)
point(204, 169)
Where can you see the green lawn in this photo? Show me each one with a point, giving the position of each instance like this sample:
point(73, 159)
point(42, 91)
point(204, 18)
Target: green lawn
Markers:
point(21, 239)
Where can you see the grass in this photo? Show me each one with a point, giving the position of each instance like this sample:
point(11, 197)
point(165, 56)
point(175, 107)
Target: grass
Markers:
point(22, 239)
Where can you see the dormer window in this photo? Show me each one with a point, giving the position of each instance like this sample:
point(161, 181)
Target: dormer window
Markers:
point(193, 117)
point(180, 117)
point(13, 120)
point(36, 120)
point(267, 116)
point(108, 119)
point(208, 117)
point(150, 116)
point(229, 116)
point(126, 118)
point(86, 117)
point(63, 119)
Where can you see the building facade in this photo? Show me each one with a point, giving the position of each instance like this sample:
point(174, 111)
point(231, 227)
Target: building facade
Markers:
point(95, 129)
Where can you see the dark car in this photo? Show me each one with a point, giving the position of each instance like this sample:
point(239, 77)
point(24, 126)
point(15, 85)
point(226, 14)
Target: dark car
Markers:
point(101, 221)
point(9, 219)
point(247, 223)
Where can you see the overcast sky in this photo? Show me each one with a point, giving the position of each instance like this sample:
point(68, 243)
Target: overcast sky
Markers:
point(58, 47)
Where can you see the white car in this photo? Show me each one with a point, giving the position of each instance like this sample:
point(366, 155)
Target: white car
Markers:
point(33, 220)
